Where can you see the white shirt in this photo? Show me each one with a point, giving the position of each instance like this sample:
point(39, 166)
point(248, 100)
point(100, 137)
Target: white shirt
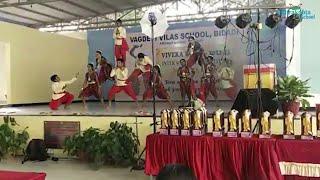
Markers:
point(120, 76)
point(118, 37)
point(141, 64)
point(58, 88)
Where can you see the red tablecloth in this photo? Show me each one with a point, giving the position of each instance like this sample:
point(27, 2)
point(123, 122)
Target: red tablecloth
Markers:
point(10, 175)
point(215, 158)
point(234, 158)
point(301, 151)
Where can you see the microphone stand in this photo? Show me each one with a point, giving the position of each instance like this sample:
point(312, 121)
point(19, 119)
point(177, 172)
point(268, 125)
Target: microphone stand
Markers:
point(153, 22)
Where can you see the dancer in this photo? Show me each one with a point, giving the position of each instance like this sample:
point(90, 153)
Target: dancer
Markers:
point(185, 81)
point(208, 81)
point(120, 74)
point(159, 87)
point(226, 76)
point(120, 43)
point(143, 67)
point(103, 68)
point(195, 52)
point(60, 95)
point(91, 86)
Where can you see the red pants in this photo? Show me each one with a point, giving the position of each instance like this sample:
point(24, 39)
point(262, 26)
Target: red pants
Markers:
point(207, 87)
point(136, 73)
point(187, 87)
point(102, 76)
point(91, 90)
point(121, 51)
point(127, 89)
point(66, 99)
point(161, 93)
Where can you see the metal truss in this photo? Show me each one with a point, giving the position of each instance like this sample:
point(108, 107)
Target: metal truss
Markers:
point(205, 10)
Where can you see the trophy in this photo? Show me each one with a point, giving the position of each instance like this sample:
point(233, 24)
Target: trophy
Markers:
point(218, 123)
point(185, 122)
point(318, 119)
point(233, 123)
point(246, 124)
point(306, 126)
point(165, 117)
point(174, 122)
point(288, 126)
point(199, 119)
point(265, 121)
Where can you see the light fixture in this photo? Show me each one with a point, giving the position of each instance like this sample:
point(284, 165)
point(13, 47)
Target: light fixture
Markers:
point(243, 20)
point(222, 21)
point(293, 20)
point(273, 20)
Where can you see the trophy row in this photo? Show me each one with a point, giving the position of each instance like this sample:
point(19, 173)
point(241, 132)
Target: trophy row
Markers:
point(188, 121)
point(184, 121)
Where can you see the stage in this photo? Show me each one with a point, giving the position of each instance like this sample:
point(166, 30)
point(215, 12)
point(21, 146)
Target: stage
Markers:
point(95, 109)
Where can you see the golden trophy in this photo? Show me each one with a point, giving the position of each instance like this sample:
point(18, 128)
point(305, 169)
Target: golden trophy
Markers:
point(233, 123)
point(218, 123)
point(265, 125)
point(185, 122)
point(174, 125)
point(306, 126)
point(164, 115)
point(199, 122)
point(246, 124)
point(288, 126)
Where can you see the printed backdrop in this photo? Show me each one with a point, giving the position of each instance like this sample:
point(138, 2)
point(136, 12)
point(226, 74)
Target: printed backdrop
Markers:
point(172, 47)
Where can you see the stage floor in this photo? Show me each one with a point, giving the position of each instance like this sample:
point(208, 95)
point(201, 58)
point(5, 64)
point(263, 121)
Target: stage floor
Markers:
point(96, 109)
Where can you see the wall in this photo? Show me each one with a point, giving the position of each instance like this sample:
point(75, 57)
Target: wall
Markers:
point(34, 56)
point(35, 125)
point(310, 63)
point(4, 50)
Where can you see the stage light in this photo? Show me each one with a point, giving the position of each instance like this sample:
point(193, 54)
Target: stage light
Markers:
point(222, 21)
point(243, 20)
point(273, 20)
point(293, 20)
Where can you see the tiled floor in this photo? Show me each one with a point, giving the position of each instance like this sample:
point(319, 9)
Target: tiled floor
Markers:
point(72, 170)
point(96, 109)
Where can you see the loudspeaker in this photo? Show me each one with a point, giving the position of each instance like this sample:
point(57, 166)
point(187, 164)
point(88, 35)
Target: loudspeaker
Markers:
point(248, 99)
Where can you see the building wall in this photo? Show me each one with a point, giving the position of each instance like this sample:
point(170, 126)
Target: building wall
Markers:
point(35, 125)
point(310, 62)
point(4, 50)
point(34, 56)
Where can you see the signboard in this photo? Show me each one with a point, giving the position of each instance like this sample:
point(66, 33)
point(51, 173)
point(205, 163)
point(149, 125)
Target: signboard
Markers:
point(56, 131)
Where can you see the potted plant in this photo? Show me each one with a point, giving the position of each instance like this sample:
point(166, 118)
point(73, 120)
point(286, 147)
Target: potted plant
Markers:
point(291, 92)
point(122, 144)
point(88, 146)
point(11, 142)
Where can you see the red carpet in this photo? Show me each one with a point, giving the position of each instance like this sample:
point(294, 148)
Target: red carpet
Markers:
point(11, 175)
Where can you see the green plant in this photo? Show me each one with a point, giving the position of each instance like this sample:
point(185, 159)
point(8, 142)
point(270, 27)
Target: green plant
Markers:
point(291, 88)
point(11, 142)
point(122, 144)
point(88, 146)
point(116, 146)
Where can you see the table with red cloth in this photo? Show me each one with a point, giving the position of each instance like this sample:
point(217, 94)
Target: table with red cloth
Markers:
point(229, 158)
point(11, 175)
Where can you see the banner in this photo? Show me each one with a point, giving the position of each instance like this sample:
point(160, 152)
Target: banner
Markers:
point(172, 47)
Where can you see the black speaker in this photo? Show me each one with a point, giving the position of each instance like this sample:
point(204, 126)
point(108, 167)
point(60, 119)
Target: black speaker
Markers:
point(248, 99)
